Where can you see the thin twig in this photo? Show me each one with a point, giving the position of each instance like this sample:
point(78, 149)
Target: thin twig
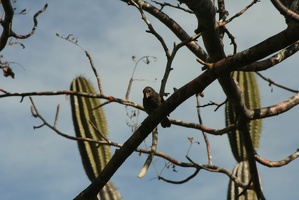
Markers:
point(208, 146)
point(95, 73)
point(182, 181)
point(146, 60)
point(215, 169)
point(165, 4)
point(239, 13)
point(170, 60)
point(73, 40)
point(99, 132)
point(271, 82)
point(212, 103)
point(56, 116)
point(202, 127)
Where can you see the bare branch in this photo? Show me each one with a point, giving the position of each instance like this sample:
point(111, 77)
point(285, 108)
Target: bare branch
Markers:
point(182, 181)
point(214, 168)
point(239, 13)
point(276, 84)
point(140, 5)
point(34, 26)
point(275, 109)
point(170, 60)
point(95, 72)
point(208, 146)
point(284, 10)
point(71, 38)
point(146, 60)
point(202, 127)
point(56, 116)
point(178, 6)
point(279, 163)
point(273, 60)
point(6, 23)
point(68, 92)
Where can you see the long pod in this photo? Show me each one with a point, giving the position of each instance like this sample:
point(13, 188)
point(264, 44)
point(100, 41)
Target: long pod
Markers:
point(85, 118)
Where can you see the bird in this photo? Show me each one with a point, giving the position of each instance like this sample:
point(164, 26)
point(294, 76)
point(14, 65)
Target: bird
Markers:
point(151, 100)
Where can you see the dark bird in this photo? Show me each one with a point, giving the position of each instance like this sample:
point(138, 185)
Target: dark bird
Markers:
point(151, 100)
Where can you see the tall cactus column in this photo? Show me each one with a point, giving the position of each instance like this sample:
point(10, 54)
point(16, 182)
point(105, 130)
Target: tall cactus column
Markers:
point(94, 157)
point(251, 97)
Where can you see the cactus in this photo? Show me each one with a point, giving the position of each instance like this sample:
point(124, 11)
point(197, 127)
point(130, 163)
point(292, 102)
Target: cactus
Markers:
point(241, 170)
point(251, 97)
point(94, 157)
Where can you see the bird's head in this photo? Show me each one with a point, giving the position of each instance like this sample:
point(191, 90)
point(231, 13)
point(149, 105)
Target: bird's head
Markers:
point(148, 91)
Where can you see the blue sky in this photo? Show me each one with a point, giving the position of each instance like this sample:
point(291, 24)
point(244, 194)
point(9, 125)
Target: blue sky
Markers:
point(38, 164)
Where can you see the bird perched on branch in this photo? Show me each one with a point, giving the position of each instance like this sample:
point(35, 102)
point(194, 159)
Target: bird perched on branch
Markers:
point(151, 100)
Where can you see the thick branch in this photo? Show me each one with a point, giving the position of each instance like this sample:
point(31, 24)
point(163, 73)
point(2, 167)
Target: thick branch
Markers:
point(279, 163)
point(6, 23)
point(261, 50)
point(285, 11)
point(275, 109)
point(273, 60)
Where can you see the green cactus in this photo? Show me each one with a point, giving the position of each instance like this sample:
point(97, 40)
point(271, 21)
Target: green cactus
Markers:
point(241, 171)
point(251, 97)
point(94, 157)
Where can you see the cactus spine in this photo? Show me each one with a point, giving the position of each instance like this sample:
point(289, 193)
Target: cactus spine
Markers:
point(94, 157)
point(251, 97)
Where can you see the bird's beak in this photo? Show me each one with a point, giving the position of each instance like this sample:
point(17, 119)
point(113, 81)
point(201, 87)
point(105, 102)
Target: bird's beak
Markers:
point(147, 94)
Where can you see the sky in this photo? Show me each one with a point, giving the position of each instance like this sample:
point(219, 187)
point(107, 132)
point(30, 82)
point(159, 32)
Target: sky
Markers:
point(39, 164)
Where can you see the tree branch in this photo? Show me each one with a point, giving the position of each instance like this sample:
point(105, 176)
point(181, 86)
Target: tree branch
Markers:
point(275, 109)
point(34, 25)
point(285, 11)
point(273, 60)
point(7, 24)
point(279, 163)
